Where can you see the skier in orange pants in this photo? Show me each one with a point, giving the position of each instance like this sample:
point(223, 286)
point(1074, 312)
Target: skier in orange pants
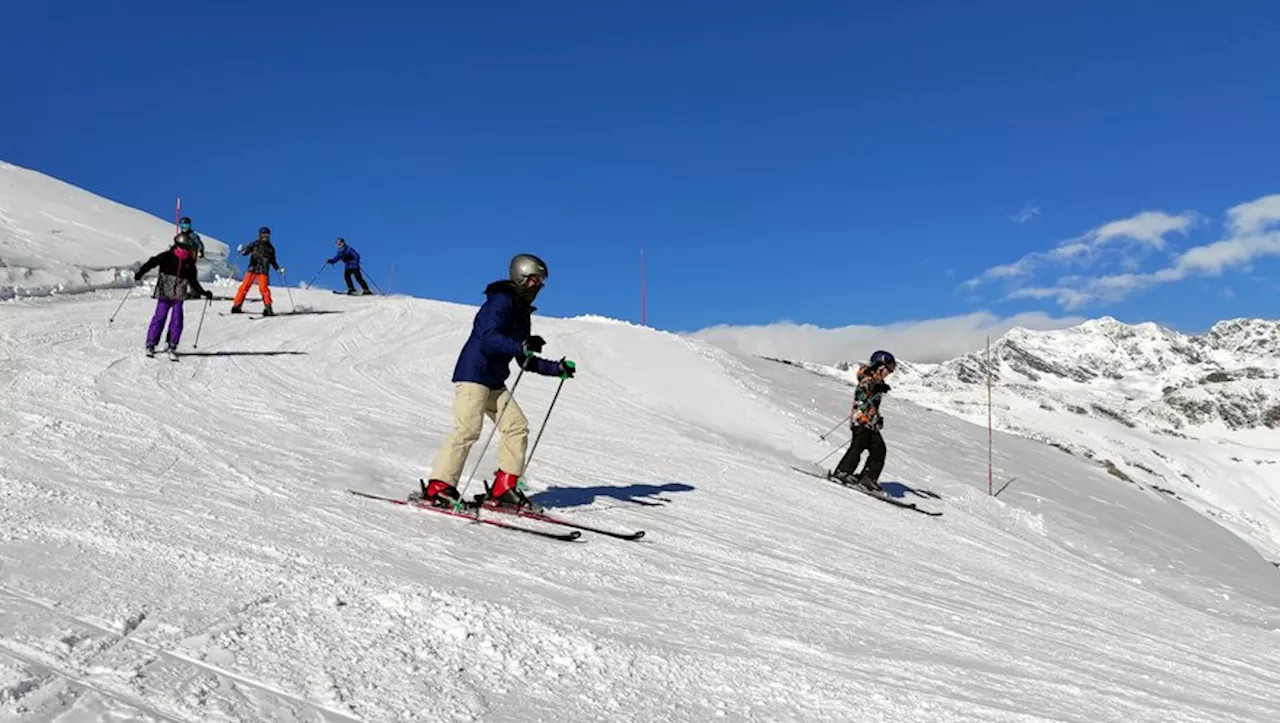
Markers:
point(262, 258)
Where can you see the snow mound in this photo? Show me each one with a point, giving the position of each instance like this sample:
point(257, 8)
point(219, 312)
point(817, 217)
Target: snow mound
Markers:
point(56, 238)
point(597, 319)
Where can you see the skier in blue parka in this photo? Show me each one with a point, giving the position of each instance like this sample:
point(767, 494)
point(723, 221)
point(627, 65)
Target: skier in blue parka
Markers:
point(500, 333)
point(350, 259)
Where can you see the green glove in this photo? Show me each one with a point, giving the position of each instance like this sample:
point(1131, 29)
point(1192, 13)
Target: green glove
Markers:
point(567, 368)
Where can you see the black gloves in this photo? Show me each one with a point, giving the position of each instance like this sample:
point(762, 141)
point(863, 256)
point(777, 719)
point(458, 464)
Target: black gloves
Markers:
point(880, 388)
point(137, 276)
point(208, 294)
point(533, 345)
point(879, 422)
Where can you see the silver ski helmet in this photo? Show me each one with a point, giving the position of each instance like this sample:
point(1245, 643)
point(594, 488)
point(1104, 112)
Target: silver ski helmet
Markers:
point(528, 273)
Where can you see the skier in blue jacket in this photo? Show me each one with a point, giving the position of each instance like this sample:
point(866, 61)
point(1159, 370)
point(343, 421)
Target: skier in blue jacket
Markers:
point(350, 259)
point(500, 333)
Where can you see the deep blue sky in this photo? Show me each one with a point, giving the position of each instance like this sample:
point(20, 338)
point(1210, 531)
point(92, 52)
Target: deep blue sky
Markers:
point(831, 163)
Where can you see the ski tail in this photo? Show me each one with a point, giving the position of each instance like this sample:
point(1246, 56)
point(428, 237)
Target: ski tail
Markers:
point(556, 520)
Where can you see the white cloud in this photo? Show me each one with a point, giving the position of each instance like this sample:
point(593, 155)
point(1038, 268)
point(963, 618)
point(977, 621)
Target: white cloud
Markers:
point(930, 340)
point(1213, 258)
point(1253, 233)
point(1145, 230)
point(1029, 211)
point(1254, 216)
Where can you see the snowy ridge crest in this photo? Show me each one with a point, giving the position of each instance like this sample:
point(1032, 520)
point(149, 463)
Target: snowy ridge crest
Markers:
point(56, 238)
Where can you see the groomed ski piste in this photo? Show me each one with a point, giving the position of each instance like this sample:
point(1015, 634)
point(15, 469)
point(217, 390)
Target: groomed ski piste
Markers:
point(178, 541)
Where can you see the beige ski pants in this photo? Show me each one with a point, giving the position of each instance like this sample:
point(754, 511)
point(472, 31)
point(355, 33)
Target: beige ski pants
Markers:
point(470, 406)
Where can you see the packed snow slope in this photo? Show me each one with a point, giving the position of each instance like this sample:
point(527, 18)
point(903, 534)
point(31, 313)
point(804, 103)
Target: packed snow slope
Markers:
point(177, 543)
point(56, 238)
point(1196, 417)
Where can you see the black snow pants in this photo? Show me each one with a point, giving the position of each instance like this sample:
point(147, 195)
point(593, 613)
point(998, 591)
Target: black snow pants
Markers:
point(346, 276)
point(865, 439)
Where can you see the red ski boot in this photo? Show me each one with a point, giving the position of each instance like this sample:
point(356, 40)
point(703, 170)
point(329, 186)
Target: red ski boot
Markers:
point(506, 493)
point(437, 492)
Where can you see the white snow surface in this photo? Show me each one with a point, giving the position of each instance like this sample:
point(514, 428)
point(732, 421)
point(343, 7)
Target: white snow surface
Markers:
point(177, 542)
point(56, 238)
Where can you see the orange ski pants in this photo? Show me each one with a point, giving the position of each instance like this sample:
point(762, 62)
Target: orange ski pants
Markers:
point(249, 278)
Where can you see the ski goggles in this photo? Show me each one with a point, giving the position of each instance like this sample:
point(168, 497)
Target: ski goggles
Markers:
point(185, 225)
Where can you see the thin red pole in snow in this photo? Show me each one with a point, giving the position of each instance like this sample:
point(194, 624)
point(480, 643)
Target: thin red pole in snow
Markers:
point(642, 289)
point(990, 433)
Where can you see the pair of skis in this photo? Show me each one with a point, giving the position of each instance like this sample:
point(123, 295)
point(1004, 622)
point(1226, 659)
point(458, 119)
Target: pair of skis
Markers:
point(251, 315)
point(876, 495)
point(472, 513)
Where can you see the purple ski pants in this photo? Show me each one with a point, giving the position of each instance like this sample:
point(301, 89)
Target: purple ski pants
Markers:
point(171, 309)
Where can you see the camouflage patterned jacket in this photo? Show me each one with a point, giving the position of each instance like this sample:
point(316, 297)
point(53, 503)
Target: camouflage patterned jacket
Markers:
point(866, 400)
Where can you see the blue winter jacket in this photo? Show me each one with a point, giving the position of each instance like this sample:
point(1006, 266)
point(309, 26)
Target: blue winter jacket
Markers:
point(349, 256)
point(498, 332)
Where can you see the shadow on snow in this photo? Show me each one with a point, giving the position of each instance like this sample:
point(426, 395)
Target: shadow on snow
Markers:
point(899, 490)
point(644, 495)
point(241, 353)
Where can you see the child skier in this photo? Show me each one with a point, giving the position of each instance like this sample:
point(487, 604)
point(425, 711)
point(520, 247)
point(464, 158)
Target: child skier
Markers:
point(176, 283)
point(262, 258)
point(351, 263)
point(500, 333)
point(866, 424)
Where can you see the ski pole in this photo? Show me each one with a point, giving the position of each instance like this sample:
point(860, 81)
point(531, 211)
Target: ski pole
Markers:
point(200, 326)
point(496, 423)
point(287, 290)
point(838, 425)
point(837, 449)
point(313, 278)
point(375, 285)
point(126, 298)
point(545, 419)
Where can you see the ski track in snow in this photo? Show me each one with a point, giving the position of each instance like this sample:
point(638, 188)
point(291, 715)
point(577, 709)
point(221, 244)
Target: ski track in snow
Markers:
point(177, 543)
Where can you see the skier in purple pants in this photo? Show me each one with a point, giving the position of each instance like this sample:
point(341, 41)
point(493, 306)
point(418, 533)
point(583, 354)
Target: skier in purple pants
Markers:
point(177, 282)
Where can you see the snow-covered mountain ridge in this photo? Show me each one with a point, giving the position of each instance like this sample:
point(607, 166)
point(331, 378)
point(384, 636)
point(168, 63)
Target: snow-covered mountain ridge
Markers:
point(56, 238)
point(1193, 416)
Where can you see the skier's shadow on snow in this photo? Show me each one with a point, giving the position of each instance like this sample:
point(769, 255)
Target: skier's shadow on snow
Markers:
point(310, 312)
point(240, 353)
point(643, 495)
point(899, 490)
